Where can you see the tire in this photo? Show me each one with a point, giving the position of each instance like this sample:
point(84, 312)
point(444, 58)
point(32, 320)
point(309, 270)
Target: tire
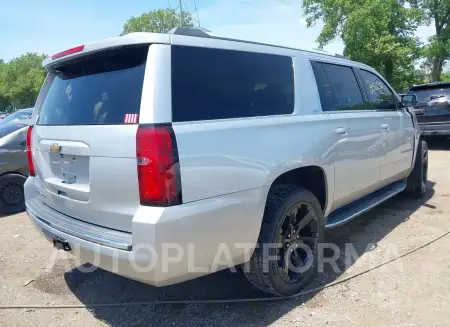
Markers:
point(266, 274)
point(12, 198)
point(416, 182)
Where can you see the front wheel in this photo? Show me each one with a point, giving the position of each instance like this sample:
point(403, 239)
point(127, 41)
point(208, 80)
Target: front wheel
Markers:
point(285, 259)
point(417, 181)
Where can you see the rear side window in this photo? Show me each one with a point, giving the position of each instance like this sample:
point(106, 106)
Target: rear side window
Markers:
point(102, 89)
point(346, 89)
point(378, 93)
point(324, 87)
point(217, 84)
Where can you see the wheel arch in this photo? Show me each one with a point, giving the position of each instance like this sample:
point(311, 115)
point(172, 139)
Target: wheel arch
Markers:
point(317, 179)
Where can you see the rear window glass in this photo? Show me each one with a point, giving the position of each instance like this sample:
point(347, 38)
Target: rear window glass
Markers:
point(103, 89)
point(426, 94)
point(217, 84)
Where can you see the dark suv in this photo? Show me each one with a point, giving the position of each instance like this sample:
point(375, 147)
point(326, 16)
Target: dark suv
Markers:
point(432, 107)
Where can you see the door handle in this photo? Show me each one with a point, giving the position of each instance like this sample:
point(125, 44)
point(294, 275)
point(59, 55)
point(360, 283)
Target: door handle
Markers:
point(385, 126)
point(341, 131)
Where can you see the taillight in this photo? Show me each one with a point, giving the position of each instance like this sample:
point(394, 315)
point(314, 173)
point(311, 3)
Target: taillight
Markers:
point(68, 52)
point(158, 166)
point(30, 152)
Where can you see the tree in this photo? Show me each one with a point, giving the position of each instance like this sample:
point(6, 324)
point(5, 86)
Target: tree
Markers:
point(437, 51)
point(445, 76)
point(21, 80)
point(379, 33)
point(3, 100)
point(157, 21)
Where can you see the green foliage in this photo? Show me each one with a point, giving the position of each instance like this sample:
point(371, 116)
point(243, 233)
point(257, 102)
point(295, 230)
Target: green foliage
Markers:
point(379, 33)
point(437, 52)
point(445, 76)
point(157, 21)
point(20, 81)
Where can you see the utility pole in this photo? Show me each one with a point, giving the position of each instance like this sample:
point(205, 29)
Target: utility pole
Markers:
point(181, 14)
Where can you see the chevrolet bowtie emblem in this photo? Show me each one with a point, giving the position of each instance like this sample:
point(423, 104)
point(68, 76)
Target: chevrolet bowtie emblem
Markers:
point(55, 147)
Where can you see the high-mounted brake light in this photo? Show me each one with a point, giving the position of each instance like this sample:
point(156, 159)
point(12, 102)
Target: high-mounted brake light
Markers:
point(68, 52)
point(30, 152)
point(158, 166)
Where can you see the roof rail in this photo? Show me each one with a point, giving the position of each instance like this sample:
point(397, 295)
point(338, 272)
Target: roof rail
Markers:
point(340, 56)
point(319, 50)
point(202, 32)
point(197, 32)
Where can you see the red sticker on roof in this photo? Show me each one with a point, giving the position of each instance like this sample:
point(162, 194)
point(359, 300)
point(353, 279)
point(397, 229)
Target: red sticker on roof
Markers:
point(131, 118)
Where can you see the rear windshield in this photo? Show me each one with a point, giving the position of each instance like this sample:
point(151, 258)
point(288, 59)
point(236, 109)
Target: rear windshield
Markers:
point(103, 89)
point(426, 94)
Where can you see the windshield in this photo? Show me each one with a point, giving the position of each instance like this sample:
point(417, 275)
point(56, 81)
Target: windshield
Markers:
point(18, 115)
point(424, 95)
point(102, 89)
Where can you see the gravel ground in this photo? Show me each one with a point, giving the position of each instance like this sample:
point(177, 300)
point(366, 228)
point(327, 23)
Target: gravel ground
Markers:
point(413, 291)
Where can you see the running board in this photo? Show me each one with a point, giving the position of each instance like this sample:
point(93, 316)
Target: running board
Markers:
point(353, 210)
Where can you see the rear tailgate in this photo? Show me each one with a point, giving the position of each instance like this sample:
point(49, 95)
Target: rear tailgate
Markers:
point(434, 100)
point(85, 137)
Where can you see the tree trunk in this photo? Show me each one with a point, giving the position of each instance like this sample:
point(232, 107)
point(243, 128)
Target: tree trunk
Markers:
point(437, 61)
point(389, 70)
point(436, 69)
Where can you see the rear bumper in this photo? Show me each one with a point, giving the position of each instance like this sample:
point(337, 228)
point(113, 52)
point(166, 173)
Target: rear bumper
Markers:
point(167, 245)
point(435, 129)
point(48, 220)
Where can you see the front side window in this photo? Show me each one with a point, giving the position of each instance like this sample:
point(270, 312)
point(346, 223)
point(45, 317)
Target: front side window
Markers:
point(379, 96)
point(346, 89)
point(218, 84)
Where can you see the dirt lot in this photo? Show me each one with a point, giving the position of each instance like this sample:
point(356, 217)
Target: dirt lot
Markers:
point(413, 291)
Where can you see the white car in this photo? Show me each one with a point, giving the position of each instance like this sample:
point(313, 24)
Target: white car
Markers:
point(164, 157)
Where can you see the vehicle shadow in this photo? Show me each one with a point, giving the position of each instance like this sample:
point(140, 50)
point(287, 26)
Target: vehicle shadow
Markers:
point(438, 144)
point(104, 287)
point(6, 215)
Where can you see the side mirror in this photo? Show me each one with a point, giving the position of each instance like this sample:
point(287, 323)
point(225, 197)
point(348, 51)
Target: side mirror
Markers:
point(409, 100)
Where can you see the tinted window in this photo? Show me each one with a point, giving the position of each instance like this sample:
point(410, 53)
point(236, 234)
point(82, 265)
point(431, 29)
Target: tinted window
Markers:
point(425, 94)
point(345, 87)
point(99, 89)
point(324, 87)
point(378, 94)
point(216, 84)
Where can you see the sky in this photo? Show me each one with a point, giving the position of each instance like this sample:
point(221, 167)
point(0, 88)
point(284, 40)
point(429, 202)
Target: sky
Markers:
point(51, 26)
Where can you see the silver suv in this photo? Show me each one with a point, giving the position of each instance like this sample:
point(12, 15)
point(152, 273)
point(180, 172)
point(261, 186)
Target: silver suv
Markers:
point(164, 157)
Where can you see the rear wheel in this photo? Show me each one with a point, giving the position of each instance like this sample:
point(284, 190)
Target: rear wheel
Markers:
point(417, 181)
point(12, 198)
point(292, 229)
